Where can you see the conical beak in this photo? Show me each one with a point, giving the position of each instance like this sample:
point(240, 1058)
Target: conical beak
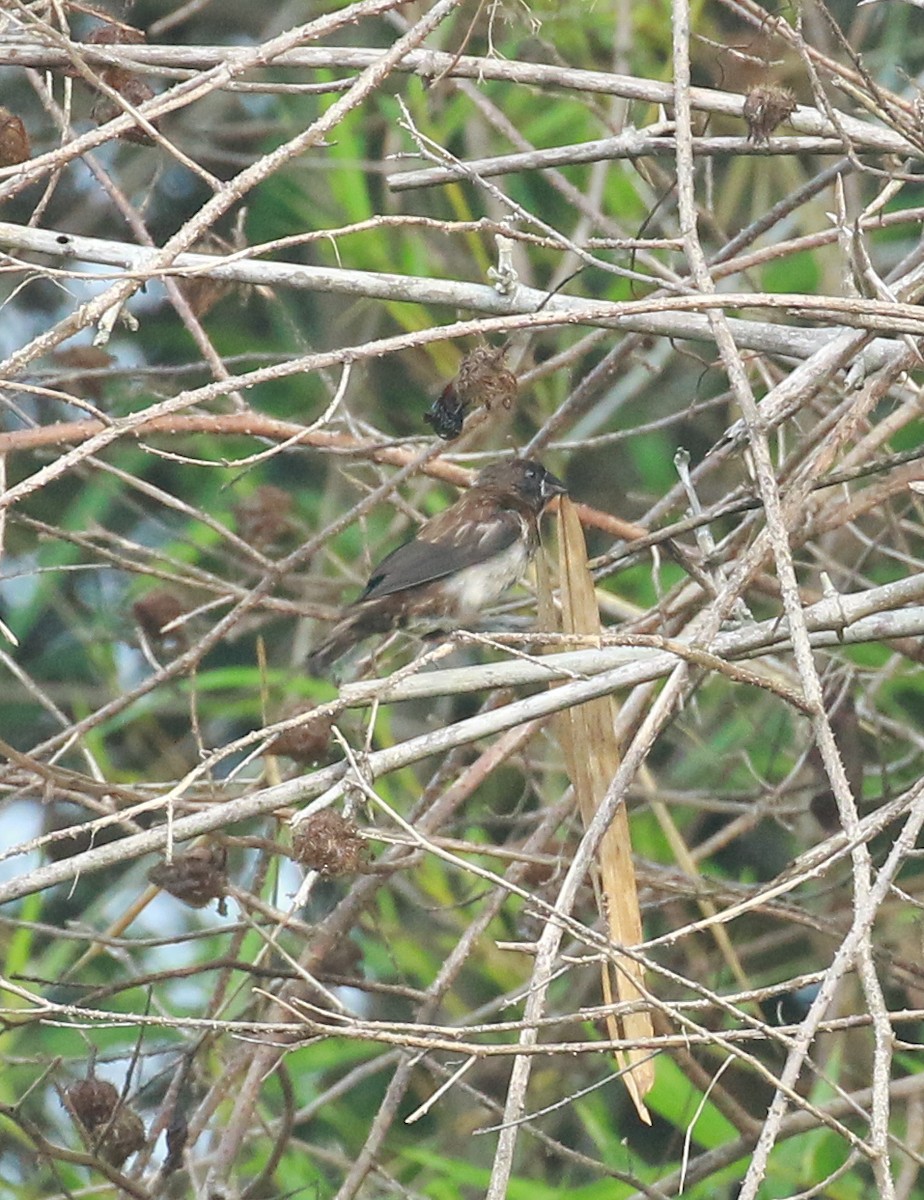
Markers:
point(552, 486)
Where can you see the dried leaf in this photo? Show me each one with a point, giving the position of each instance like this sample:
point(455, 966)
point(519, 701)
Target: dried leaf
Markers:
point(588, 739)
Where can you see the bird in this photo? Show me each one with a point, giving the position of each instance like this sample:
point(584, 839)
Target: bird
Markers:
point(458, 562)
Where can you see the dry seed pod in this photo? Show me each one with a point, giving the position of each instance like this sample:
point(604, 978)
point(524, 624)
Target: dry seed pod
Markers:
point(196, 877)
point(124, 1137)
point(135, 91)
point(330, 844)
point(309, 741)
point(111, 1129)
point(203, 293)
point(14, 141)
point(84, 358)
point(482, 379)
point(112, 34)
point(766, 106)
point(342, 958)
point(92, 1101)
point(155, 611)
point(265, 517)
point(87, 358)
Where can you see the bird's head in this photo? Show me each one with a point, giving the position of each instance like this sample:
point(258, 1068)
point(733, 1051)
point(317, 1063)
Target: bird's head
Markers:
point(524, 478)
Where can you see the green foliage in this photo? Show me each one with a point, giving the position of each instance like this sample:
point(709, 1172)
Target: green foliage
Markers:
point(797, 273)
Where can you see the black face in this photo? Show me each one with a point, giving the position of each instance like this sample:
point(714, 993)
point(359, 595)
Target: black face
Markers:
point(525, 477)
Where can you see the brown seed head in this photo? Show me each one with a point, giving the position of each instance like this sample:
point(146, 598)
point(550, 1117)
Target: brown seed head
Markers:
point(92, 1101)
point(330, 844)
point(482, 380)
point(341, 959)
point(155, 611)
point(110, 1128)
point(134, 89)
point(265, 517)
point(124, 1137)
point(766, 106)
point(14, 141)
point(112, 34)
point(203, 293)
point(84, 358)
point(309, 741)
point(196, 877)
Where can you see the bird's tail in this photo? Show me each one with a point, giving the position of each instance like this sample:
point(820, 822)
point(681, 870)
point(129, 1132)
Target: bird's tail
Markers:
point(362, 621)
point(335, 645)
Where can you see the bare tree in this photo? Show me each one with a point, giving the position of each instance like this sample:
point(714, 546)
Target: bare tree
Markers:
point(268, 934)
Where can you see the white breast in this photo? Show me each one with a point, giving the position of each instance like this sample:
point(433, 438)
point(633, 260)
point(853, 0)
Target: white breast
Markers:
point(475, 588)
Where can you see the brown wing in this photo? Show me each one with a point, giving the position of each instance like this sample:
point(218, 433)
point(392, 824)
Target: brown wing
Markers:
point(460, 537)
